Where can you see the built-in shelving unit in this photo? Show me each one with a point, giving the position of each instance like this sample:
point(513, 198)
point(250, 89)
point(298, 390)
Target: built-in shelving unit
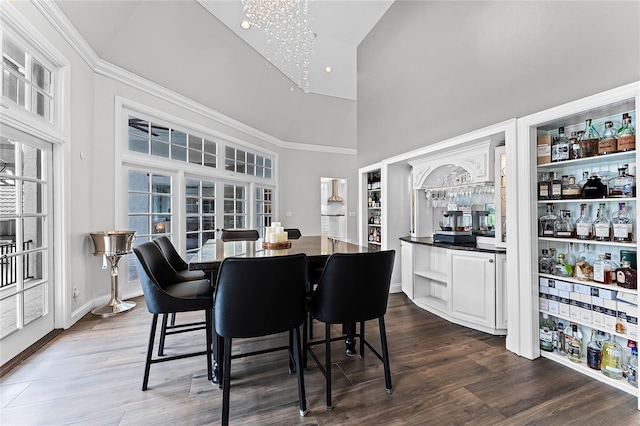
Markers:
point(374, 209)
point(575, 294)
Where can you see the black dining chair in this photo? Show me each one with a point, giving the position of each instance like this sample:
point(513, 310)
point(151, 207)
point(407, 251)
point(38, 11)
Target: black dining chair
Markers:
point(165, 292)
point(259, 297)
point(293, 233)
point(239, 235)
point(353, 288)
point(182, 269)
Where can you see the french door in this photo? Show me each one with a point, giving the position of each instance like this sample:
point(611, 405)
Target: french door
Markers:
point(26, 259)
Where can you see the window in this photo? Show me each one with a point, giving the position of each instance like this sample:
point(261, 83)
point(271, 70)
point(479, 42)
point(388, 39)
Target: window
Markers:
point(240, 161)
point(25, 80)
point(200, 213)
point(149, 211)
point(162, 141)
point(235, 201)
point(264, 211)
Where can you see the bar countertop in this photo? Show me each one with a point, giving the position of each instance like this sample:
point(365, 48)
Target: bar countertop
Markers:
point(468, 247)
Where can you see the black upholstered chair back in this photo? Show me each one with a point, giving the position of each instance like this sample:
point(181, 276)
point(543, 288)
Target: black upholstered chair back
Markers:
point(293, 233)
point(239, 235)
point(176, 261)
point(260, 296)
point(170, 253)
point(353, 287)
point(163, 287)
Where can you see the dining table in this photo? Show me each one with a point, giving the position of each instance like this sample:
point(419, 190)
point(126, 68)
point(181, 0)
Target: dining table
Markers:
point(317, 248)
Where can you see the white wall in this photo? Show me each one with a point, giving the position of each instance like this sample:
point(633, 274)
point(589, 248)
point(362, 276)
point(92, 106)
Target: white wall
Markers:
point(431, 70)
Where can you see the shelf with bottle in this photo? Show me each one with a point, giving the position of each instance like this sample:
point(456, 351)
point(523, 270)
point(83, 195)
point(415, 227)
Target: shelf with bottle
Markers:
point(609, 357)
point(590, 200)
point(592, 242)
point(581, 136)
point(586, 161)
point(608, 229)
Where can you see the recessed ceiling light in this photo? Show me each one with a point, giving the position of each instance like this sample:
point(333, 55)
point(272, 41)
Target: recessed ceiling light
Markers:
point(328, 69)
point(245, 25)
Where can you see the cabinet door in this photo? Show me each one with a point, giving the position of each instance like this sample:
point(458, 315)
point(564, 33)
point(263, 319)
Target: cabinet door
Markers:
point(406, 254)
point(473, 286)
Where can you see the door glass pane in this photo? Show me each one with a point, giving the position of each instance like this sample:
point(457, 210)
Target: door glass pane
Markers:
point(161, 203)
point(13, 56)
point(34, 303)
point(32, 231)
point(161, 184)
point(33, 266)
point(32, 163)
point(31, 197)
point(178, 138)
point(140, 224)
point(138, 203)
point(138, 181)
point(9, 312)
point(160, 149)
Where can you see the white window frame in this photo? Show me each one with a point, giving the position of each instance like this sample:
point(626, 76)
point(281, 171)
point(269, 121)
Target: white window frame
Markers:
point(125, 159)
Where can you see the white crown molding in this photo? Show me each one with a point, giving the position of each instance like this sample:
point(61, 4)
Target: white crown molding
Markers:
point(61, 23)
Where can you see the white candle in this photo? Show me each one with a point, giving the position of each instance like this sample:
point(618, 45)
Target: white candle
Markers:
point(286, 236)
point(275, 224)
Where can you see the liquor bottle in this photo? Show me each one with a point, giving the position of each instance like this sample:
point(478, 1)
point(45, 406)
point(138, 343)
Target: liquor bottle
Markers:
point(594, 351)
point(594, 188)
point(544, 187)
point(547, 222)
point(563, 146)
point(612, 359)
point(623, 185)
point(602, 225)
point(571, 190)
point(562, 342)
point(584, 226)
point(603, 270)
point(570, 257)
point(547, 328)
point(560, 268)
point(574, 344)
point(632, 364)
point(563, 227)
point(556, 186)
point(627, 277)
point(554, 149)
point(545, 262)
point(585, 178)
point(622, 226)
point(608, 144)
point(626, 135)
point(589, 140)
point(576, 148)
point(584, 266)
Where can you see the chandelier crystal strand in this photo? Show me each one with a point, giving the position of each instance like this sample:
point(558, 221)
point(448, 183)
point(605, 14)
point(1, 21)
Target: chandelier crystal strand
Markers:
point(288, 32)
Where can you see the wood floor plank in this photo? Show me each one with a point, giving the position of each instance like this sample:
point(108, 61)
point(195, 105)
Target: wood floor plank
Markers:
point(441, 373)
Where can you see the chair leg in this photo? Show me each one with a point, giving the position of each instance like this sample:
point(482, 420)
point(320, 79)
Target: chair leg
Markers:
point(361, 339)
point(147, 365)
point(290, 348)
point(385, 355)
point(225, 381)
point(208, 313)
point(305, 340)
point(173, 319)
point(327, 346)
point(300, 373)
point(163, 334)
point(310, 326)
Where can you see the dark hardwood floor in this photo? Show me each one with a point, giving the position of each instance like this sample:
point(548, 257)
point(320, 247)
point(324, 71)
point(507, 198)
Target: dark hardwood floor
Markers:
point(442, 374)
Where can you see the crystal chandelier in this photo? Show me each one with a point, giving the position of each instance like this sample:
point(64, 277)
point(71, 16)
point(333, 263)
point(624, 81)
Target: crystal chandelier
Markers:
point(287, 28)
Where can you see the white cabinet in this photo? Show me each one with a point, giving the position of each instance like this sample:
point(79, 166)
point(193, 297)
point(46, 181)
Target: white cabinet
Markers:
point(466, 287)
point(473, 287)
point(406, 254)
point(607, 106)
